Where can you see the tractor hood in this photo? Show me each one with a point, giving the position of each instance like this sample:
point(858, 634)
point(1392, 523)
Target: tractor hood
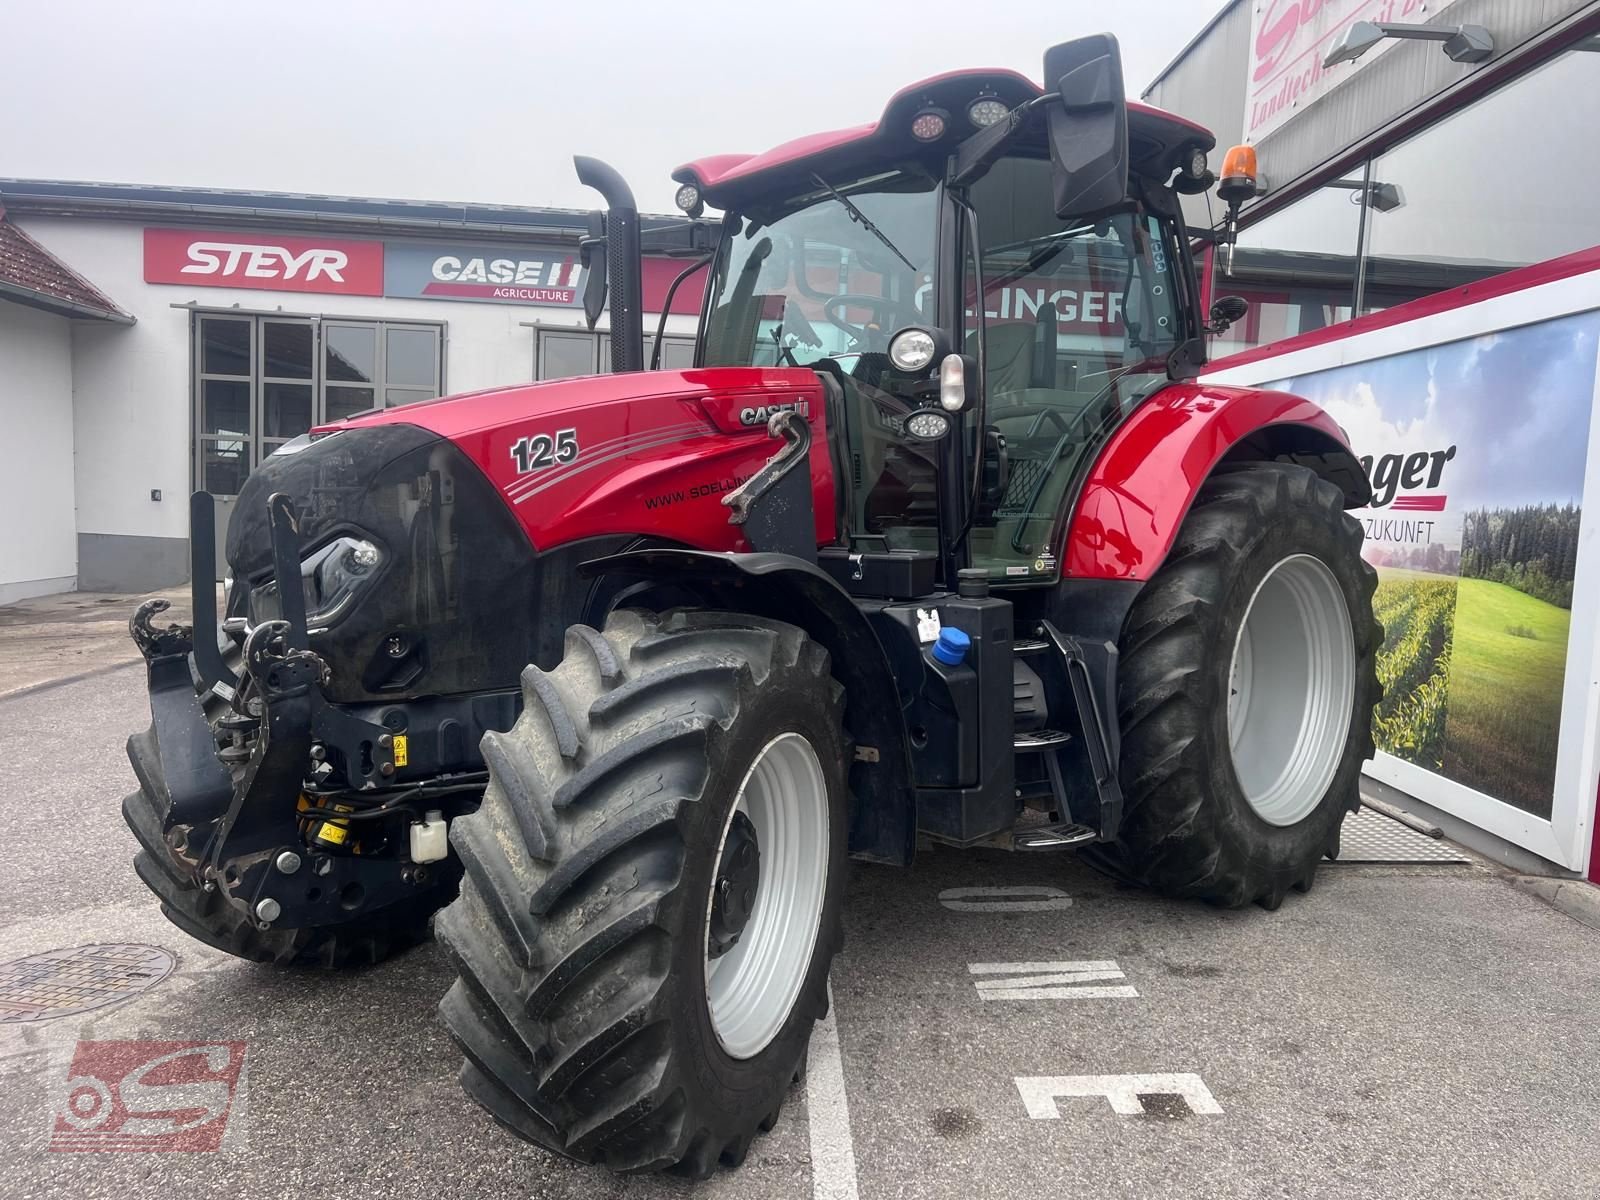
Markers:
point(433, 536)
point(649, 453)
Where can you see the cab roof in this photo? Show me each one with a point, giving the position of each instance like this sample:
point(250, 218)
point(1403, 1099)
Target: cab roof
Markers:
point(1155, 138)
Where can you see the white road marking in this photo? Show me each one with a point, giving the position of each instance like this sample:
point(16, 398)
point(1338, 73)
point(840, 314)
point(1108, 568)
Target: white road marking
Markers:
point(1050, 980)
point(1034, 898)
point(833, 1155)
point(1039, 1092)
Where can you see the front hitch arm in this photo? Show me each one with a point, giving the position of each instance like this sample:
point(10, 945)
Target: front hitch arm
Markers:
point(156, 643)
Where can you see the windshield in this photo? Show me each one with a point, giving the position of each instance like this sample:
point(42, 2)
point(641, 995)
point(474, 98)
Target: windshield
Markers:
point(824, 281)
point(830, 274)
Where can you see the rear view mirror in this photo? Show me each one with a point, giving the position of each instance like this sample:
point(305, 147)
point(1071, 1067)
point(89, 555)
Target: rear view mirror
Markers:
point(1089, 127)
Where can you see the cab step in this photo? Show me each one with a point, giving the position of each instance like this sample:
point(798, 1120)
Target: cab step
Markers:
point(1055, 836)
point(1034, 740)
point(1029, 646)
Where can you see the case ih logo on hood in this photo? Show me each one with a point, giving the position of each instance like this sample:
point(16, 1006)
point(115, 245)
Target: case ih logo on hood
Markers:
point(1394, 475)
point(761, 414)
point(262, 262)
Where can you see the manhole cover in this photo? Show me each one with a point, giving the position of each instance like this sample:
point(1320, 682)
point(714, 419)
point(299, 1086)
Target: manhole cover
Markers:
point(58, 983)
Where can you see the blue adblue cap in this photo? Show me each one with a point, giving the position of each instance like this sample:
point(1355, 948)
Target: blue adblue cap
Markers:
point(951, 647)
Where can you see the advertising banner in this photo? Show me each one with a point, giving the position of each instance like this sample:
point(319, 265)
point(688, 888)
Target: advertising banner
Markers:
point(1476, 450)
point(1288, 40)
point(263, 262)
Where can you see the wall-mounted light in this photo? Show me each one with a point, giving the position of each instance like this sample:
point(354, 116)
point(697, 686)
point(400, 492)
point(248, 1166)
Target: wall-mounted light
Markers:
point(1381, 197)
point(1463, 43)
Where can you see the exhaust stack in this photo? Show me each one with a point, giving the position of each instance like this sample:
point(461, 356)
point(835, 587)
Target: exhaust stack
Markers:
point(623, 267)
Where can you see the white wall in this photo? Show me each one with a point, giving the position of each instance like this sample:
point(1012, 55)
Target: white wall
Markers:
point(38, 539)
point(132, 420)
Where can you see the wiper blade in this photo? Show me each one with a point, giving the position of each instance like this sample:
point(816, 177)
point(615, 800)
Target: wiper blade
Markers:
point(861, 218)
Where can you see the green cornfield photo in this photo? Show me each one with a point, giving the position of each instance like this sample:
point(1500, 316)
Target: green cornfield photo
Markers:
point(1417, 611)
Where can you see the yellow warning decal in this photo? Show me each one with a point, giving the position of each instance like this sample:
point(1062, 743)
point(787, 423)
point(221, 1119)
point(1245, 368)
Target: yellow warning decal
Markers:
point(333, 833)
point(400, 742)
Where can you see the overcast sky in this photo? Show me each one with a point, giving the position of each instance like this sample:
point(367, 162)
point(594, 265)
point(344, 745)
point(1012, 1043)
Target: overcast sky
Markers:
point(472, 100)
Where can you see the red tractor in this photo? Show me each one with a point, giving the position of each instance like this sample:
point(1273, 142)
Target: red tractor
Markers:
point(940, 539)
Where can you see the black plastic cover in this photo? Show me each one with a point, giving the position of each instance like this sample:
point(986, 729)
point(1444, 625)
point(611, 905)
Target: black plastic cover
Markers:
point(453, 606)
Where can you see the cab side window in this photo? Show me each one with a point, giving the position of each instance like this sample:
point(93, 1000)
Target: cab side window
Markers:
point(1074, 314)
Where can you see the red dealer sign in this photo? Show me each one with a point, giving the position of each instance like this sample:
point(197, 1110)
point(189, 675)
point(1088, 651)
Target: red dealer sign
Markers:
point(263, 262)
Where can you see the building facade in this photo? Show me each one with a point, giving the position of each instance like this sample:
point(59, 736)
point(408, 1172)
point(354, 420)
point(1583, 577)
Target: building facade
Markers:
point(1424, 261)
point(177, 337)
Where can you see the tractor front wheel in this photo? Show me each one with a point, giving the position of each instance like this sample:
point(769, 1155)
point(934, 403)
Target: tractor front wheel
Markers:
point(652, 891)
point(1245, 691)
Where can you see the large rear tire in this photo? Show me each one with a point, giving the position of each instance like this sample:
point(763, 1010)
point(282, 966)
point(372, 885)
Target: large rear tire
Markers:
point(652, 891)
point(1245, 691)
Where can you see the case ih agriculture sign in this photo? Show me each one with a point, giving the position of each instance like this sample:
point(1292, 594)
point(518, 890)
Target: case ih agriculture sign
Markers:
point(263, 262)
point(1288, 39)
point(548, 276)
point(518, 275)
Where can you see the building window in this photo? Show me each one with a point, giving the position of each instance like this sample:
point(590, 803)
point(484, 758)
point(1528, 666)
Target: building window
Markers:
point(377, 364)
point(1297, 268)
point(260, 381)
point(1467, 198)
point(563, 353)
point(1498, 185)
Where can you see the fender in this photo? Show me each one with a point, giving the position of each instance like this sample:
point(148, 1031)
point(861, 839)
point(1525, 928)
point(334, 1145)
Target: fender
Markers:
point(883, 817)
point(1141, 486)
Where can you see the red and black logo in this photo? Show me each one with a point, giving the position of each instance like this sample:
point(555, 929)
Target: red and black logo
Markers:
point(1395, 477)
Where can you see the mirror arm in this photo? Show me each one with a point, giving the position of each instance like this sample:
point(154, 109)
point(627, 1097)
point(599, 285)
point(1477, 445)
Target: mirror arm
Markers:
point(1187, 359)
point(977, 154)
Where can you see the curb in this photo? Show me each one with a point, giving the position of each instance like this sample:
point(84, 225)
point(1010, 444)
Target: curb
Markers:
point(47, 684)
point(1575, 897)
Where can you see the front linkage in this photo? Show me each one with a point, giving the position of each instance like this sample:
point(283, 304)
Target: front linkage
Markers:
point(267, 815)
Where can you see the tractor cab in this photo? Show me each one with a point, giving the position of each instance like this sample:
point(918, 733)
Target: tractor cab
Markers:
point(978, 340)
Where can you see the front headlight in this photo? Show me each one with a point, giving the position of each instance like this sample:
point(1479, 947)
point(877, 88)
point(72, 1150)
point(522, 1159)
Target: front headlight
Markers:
point(331, 577)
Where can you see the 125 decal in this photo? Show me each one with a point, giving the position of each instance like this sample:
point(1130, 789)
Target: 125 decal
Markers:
point(545, 450)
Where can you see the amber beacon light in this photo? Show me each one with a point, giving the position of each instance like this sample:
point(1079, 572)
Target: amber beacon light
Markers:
point(1237, 183)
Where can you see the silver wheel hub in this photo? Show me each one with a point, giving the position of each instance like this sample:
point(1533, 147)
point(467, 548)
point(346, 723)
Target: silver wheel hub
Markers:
point(765, 903)
point(1291, 688)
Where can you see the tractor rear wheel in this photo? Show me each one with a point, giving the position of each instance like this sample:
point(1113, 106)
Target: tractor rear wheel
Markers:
point(1245, 691)
point(652, 891)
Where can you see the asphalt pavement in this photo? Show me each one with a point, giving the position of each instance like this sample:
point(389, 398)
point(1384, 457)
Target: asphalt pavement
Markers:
point(1412, 1031)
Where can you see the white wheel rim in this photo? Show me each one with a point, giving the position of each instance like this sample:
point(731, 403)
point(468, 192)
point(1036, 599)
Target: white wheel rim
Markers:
point(1290, 690)
point(752, 988)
